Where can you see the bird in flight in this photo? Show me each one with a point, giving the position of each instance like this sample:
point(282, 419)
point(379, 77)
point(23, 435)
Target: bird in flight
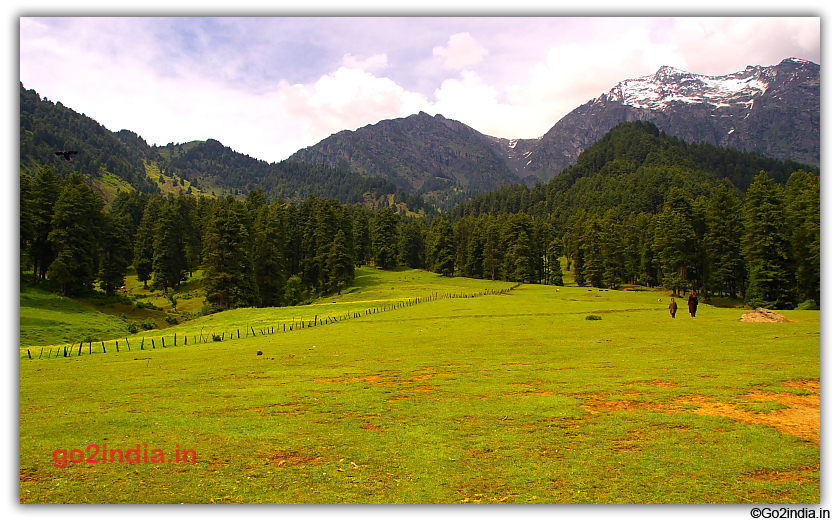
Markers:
point(67, 154)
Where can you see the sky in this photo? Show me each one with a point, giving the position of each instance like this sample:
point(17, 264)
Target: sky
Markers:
point(269, 86)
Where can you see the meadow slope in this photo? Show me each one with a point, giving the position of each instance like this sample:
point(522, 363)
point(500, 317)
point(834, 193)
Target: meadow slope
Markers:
point(499, 398)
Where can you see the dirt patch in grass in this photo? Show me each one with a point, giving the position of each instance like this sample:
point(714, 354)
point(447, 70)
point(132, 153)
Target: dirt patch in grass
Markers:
point(294, 459)
point(533, 391)
point(632, 443)
point(597, 405)
point(801, 418)
point(378, 379)
point(30, 476)
point(785, 476)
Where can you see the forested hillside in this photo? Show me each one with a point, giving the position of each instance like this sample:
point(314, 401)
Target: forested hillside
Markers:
point(209, 163)
point(47, 128)
point(640, 208)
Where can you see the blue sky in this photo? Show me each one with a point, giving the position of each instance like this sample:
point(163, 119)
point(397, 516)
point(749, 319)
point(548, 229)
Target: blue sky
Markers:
point(268, 86)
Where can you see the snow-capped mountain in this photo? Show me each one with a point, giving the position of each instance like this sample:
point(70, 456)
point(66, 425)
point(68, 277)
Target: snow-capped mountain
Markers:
point(774, 111)
point(668, 86)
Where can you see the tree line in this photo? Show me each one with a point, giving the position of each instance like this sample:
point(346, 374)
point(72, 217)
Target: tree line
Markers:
point(646, 215)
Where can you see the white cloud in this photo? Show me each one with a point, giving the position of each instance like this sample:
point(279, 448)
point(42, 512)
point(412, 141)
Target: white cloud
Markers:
point(111, 71)
point(346, 99)
point(716, 46)
point(461, 50)
point(378, 61)
point(570, 75)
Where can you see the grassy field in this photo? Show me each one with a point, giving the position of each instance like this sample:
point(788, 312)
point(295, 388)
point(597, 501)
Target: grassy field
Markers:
point(500, 398)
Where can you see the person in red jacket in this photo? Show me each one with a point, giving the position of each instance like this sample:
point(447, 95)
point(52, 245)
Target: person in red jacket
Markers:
point(692, 304)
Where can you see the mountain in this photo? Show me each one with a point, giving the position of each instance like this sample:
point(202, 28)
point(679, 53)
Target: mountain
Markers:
point(631, 170)
point(47, 128)
point(211, 164)
point(416, 153)
point(431, 161)
point(773, 111)
point(114, 161)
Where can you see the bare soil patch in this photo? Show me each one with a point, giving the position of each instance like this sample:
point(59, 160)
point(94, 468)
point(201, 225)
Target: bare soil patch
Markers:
point(378, 379)
point(596, 406)
point(294, 459)
point(801, 418)
point(785, 476)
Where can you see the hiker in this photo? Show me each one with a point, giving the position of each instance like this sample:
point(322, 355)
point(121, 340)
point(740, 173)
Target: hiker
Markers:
point(692, 304)
point(672, 307)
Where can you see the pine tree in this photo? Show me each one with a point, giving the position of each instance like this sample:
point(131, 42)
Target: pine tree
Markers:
point(611, 249)
point(410, 245)
point(802, 204)
point(512, 230)
point(722, 242)
point(361, 238)
point(45, 191)
point(474, 261)
point(384, 238)
point(521, 260)
point(340, 263)
point(229, 279)
point(115, 252)
point(492, 251)
point(75, 234)
point(27, 231)
point(269, 257)
point(593, 258)
point(673, 241)
point(555, 262)
point(169, 263)
point(442, 248)
point(574, 246)
point(767, 247)
point(144, 243)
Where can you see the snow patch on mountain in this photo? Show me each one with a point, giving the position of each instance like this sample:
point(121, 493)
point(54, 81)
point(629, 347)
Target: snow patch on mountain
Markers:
point(668, 86)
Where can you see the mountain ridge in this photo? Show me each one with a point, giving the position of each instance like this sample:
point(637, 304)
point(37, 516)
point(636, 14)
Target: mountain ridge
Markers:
point(774, 111)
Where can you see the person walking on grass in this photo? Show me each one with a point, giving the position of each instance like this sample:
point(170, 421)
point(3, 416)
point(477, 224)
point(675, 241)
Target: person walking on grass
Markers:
point(672, 307)
point(692, 304)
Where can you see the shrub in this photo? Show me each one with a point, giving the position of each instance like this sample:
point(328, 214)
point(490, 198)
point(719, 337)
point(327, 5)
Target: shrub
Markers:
point(593, 317)
point(149, 323)
point(147, 305)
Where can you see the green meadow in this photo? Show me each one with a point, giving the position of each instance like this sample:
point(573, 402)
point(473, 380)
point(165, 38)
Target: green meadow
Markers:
point(418, 388)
